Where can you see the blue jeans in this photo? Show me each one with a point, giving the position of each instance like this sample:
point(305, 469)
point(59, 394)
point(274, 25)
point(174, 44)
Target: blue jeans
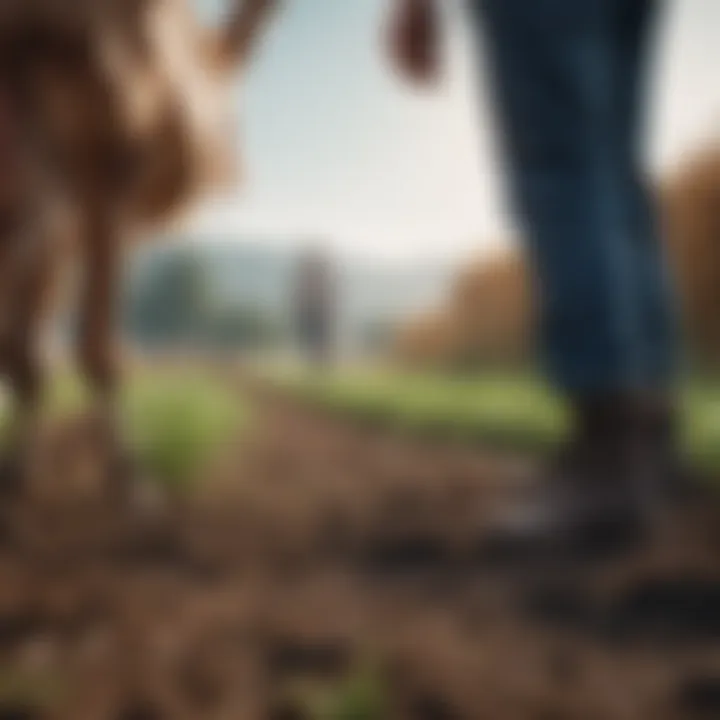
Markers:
point(568, 79)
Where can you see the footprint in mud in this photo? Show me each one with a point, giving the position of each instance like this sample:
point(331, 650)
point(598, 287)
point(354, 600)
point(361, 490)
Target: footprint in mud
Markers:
point(675, 608)
point(699, 698)
point(681, 608)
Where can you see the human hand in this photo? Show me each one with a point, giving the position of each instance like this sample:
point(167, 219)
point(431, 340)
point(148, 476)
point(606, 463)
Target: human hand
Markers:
point(415, 40)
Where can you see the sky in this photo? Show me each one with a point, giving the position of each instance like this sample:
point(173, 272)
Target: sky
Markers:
point(337, 150)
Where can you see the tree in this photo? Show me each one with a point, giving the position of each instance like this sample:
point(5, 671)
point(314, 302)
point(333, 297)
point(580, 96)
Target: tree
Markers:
point(170, 304)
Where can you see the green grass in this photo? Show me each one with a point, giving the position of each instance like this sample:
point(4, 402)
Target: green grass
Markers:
point(500, 408)
point(362, 695)
point(177, 422)
point(509, 411)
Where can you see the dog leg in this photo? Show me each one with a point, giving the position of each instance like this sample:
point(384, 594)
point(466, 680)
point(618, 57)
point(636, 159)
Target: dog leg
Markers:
point(97, 357)
point(238, 37)
point(29, 268)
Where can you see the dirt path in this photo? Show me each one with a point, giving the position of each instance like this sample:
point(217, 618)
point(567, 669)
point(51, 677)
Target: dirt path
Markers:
point(333, 552)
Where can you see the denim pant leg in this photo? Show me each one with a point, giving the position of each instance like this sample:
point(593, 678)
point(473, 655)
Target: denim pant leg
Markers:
point(635, 21)
point(553, 66)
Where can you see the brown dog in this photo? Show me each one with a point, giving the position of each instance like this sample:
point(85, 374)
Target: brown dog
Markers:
point(114, 114)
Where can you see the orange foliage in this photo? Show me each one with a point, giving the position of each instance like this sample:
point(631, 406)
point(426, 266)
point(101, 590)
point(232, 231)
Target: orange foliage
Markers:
point(428, 340)
point(487, 318)
point(691, 202)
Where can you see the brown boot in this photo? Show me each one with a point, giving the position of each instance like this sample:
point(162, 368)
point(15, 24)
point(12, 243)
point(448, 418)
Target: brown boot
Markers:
point(599, 497)
point(678, 479)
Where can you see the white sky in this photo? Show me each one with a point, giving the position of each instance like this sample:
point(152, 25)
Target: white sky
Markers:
point(338, 150)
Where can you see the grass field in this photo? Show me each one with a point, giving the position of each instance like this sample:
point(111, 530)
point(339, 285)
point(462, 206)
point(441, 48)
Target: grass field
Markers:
point(509, 411)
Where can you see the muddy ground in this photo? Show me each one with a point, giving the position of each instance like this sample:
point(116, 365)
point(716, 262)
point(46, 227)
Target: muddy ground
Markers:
point(325, 552)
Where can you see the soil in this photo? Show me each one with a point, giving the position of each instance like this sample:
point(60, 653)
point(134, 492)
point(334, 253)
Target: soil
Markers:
point(323, 551)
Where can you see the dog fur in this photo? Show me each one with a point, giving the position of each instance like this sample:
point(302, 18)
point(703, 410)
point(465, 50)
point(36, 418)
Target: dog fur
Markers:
point(114, 116)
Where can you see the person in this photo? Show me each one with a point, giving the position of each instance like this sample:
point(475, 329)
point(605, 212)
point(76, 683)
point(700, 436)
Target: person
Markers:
point(569, 81)
point(315, 307)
